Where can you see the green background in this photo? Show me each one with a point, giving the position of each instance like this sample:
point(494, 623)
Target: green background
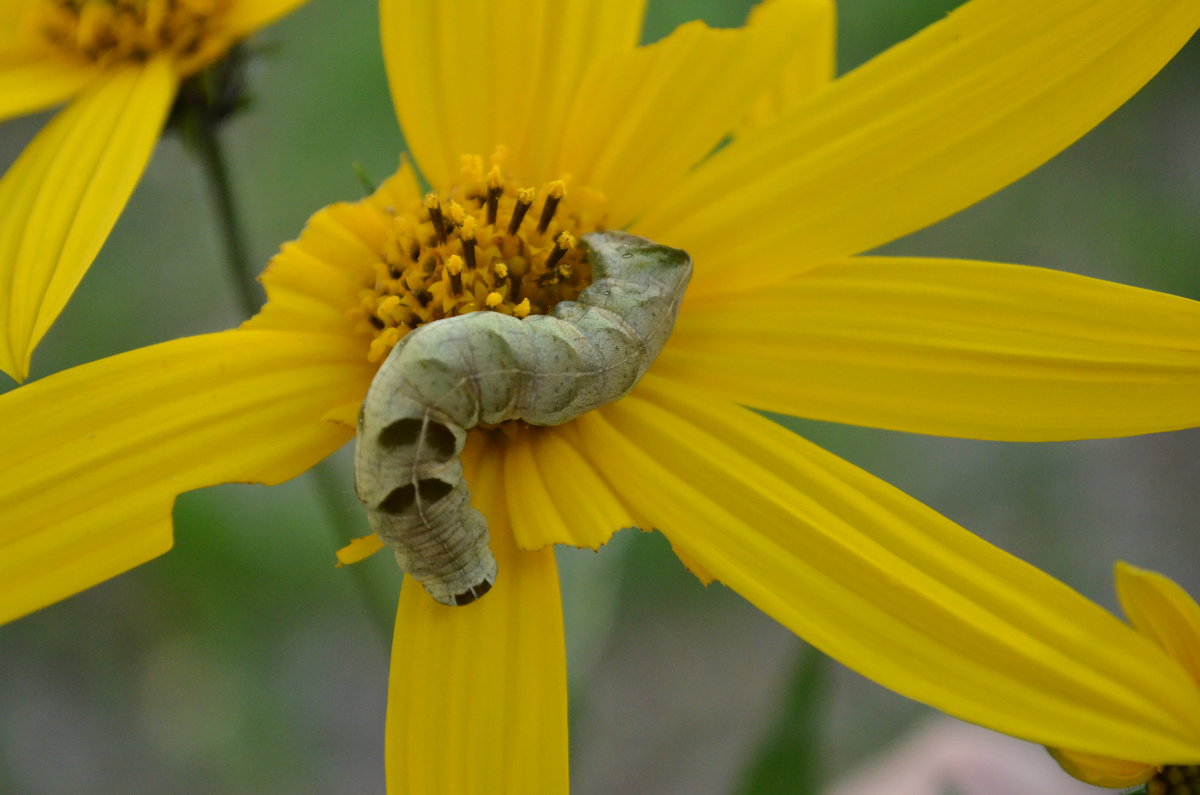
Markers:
point(243, 661)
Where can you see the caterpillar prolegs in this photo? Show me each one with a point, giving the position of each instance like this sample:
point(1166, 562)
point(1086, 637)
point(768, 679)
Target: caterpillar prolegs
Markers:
point(448, 376)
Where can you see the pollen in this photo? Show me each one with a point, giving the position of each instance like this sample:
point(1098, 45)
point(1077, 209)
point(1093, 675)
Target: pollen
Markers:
point(112, 32)
point(488, 243)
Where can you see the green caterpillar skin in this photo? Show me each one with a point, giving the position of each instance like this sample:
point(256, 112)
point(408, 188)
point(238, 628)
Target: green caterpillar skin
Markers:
point(448, 376)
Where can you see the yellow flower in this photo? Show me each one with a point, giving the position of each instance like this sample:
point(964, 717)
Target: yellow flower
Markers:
point(783, 314)
point(119, 62)
point(1164, 613)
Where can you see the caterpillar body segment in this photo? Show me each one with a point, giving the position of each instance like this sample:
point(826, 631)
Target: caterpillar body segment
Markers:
point(448, 376)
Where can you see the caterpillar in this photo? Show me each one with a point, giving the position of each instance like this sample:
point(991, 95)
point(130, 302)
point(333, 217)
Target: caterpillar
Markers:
point(447, 376)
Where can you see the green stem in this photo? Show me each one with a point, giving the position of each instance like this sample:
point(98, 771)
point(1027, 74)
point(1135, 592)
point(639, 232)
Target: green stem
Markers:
point(380, 610)
point(202, 134)
point(788, 759)
point(212, 159)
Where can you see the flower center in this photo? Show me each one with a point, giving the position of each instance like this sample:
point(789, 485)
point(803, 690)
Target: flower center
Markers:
point(1175, 780)
point(114, 31)
point(487, 243)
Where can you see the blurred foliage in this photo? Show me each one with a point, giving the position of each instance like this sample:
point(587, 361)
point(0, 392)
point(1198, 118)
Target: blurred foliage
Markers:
point(789, 759)
point(243, 661)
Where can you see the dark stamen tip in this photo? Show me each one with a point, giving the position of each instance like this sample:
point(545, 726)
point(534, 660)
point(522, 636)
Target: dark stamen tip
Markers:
point(518, 216)
point(493, 204)
point(549, 207)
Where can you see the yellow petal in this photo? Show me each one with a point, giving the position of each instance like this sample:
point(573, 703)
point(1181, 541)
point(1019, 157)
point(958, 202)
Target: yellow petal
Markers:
point(92, 458)
point(314, 279)
point(931, 126)
point(32, 79)
point(477, 696)
point(1101, 771)
point(702, 574)
point(810, 68)
point(643, 117)
point(247, 16)
point(555, 495)
point(1163, 612)
point(950, 347)
point(359, 549)
point(888, 587)
point(64, 194)
point(467, 76)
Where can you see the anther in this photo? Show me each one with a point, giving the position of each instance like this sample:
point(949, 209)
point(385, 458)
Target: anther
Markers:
point(562, 244)
point(414, 280)
point(387, 309)
point(454, 212)
point(448, 254)
point(554, 195)
point(434, 206)
point(524, 202)
point(454, 267)
point(467, 235)
point(495, 187)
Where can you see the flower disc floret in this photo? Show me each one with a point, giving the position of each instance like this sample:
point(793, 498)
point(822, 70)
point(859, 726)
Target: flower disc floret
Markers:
point(487, 243)
point(1175, 780)
point(108, 32)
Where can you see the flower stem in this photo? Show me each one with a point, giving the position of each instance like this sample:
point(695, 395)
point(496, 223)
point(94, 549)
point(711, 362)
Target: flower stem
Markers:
point(200, 126)
point(212, 159)
point(789, 758)
point(381, 611)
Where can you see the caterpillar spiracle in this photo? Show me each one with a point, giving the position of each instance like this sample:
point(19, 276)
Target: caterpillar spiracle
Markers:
point(448, 376)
